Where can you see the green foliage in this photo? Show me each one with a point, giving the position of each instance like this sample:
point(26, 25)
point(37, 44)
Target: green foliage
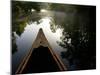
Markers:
point(22, 13)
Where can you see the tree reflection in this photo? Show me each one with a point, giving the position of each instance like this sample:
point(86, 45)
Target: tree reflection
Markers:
point(81, 51)
point(23, 14)
point(14, 46)
point(78, 24)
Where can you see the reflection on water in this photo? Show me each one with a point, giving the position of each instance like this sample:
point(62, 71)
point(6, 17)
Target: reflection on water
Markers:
point(25, 40)
point(75, 24)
